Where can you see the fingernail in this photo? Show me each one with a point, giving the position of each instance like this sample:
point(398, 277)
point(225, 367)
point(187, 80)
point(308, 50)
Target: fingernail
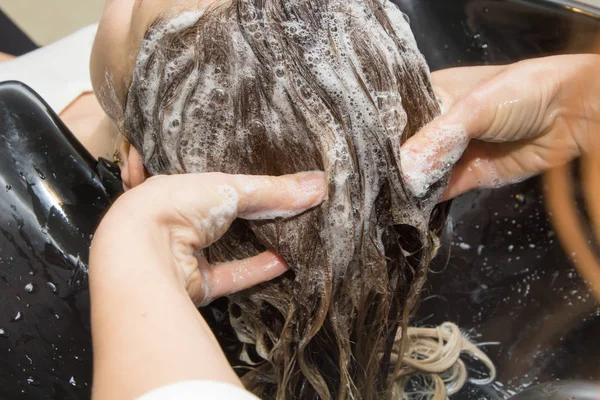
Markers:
point(313, 186)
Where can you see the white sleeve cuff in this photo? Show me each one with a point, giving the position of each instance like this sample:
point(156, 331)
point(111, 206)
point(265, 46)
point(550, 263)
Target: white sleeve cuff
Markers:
point(193, 390)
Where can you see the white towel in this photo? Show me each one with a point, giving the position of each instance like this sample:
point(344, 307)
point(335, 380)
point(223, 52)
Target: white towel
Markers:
point(59, 72)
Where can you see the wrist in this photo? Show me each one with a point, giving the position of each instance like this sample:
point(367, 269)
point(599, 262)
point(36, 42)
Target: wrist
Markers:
point(130, 245)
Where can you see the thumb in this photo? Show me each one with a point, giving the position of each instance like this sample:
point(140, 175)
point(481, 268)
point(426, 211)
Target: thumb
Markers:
point(452, 84)
point(430, 155)
point(509, 106)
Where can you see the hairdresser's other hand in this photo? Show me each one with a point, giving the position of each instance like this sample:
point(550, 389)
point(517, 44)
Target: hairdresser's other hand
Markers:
point(147, 275)
point(512, 122)
point(174, 217)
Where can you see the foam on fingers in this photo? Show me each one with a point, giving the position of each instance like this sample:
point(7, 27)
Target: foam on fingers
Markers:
point(281, 197)
point(431, 155)
point(227, 278)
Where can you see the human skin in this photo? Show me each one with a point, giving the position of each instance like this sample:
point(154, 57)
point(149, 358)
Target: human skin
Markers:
point(500, 117)
point(161, 339)
point(122, 27)
point(147, 276)
point(519, 120)
point(5, 57)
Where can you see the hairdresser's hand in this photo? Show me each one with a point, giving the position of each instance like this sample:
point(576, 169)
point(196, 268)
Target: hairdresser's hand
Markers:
point(511, 122)
point(147, 274)
point(175, 217)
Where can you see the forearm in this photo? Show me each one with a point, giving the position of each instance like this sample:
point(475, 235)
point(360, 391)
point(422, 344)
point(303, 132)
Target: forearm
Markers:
point(144, 266)
point(147, 332)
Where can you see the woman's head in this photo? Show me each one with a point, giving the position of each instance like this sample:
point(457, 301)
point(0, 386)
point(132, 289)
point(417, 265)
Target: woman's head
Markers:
point(281, 86)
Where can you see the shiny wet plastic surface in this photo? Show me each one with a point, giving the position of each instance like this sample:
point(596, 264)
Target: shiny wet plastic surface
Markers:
point(51, 199)
point(569, 390)
point(453, 33)
point(508, 283)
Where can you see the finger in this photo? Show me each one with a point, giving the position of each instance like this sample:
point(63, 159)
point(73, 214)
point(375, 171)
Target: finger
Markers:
point(429, 156)
point(262, 197)
point(518, 103)
point(475, 169)
point(432, 153)
point(511, 105)
point(224, 279)
point(493, 165)
point(199, 208)
point(451, 84)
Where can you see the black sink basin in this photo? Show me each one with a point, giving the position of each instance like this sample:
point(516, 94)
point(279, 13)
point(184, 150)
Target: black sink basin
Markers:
point(507, 280)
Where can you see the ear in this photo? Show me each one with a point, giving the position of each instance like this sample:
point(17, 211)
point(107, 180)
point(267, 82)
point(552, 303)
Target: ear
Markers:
point(133, 171)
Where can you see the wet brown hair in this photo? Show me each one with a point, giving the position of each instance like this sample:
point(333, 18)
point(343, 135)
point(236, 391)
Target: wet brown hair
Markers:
point(280, 86)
